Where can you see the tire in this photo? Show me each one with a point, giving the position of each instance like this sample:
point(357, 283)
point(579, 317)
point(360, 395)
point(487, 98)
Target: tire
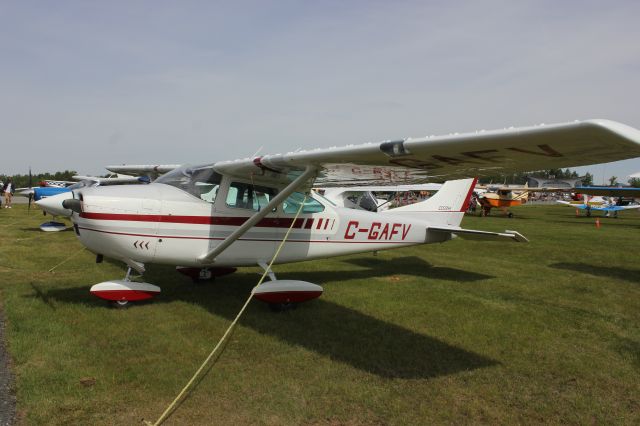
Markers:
point(281, 307)
point(121, 304)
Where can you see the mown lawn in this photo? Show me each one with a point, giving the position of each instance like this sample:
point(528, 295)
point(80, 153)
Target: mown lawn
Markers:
point(463, 332)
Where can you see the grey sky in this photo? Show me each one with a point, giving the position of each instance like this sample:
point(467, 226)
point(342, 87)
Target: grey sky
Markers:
point(85, 84)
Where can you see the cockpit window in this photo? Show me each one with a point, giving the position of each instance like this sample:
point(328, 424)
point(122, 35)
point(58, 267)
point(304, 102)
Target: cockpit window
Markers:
point(81, 184)
point(200, 181)
point(246, 196)
point(292, 204)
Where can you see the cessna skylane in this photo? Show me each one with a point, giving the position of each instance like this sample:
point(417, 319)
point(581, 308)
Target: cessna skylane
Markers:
point(219, 216)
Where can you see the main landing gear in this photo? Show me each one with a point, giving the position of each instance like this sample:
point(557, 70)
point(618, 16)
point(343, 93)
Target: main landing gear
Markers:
point(280, 295)
point(284, 295)
point(120, 293)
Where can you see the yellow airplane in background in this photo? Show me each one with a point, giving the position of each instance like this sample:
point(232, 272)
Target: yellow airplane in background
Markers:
point(502, 197)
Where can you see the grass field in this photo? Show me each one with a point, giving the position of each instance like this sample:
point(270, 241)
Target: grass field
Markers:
point(463, 332)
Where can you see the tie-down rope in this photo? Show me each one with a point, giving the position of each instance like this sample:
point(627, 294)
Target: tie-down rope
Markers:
point(172, 406)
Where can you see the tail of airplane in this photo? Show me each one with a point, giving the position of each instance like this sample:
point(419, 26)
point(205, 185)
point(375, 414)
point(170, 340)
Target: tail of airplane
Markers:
point(446, 207)
point(523, 196)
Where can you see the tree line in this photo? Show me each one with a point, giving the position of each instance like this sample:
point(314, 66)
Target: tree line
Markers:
point(22, 181)
point(521, 178)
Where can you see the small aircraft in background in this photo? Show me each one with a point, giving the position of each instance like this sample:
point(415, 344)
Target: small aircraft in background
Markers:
point(239, 213)
point(501, 197)
point(608, 204)
point(40, 193)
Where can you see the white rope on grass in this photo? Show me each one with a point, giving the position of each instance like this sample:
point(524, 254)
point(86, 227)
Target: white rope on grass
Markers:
point(67, 259)
point(172, 406)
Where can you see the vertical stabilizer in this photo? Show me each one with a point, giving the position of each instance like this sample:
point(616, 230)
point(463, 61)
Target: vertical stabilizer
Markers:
point(446, 207)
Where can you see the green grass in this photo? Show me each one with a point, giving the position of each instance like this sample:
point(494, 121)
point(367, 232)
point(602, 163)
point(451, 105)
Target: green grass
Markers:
point(462, 332)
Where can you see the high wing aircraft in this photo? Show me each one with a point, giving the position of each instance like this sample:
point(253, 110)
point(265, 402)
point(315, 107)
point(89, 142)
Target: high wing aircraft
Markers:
point(237, 213)
point(501, 197)
point(598, 203)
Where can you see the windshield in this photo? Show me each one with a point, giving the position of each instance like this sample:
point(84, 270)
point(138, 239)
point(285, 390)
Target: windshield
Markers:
point(200, 181)
point(81, 184)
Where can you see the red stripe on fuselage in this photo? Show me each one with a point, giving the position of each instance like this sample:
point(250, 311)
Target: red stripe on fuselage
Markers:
point(290, 240)
point(197, 220)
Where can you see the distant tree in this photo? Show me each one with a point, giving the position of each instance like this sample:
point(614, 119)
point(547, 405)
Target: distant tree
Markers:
point(22, 181)
point(613, 180)
point(635, 182)
point(587, 180)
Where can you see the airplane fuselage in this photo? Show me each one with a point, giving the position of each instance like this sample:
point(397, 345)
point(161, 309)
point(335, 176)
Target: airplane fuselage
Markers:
point(159, 223)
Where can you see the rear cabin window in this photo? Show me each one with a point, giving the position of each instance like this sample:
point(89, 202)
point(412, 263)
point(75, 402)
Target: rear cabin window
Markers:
point(247, 196)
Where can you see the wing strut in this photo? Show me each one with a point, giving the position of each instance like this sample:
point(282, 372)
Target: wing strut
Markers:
point(275, 201)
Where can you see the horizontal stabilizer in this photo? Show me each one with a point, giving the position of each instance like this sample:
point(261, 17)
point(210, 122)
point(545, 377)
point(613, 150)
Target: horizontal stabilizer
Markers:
point(472, 234)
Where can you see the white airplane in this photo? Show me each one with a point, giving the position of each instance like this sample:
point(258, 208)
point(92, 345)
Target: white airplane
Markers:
point(236, 213)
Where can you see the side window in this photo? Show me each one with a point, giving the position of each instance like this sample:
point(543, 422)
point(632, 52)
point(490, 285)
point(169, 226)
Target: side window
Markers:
point(247, 196)
point(292, 204)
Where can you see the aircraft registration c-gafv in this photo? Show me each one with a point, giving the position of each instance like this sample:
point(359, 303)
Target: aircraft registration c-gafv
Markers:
point(219, 216)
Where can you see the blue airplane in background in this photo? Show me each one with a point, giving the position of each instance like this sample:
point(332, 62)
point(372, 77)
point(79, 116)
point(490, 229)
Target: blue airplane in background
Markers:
point(53, 188)
point(603, 198)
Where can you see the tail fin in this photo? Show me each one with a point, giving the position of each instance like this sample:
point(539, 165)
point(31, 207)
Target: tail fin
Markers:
point(446, 207)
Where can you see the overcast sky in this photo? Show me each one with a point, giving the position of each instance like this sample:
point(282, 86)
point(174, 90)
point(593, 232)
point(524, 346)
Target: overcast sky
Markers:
point(85, 84)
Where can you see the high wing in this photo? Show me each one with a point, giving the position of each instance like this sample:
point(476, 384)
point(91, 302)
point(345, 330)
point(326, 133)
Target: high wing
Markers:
point(607, 191)
point(438, 158)
point(109, 180)
point(142, 169)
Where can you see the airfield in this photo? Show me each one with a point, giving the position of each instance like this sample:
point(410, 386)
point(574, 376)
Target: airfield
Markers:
point(461, 332)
